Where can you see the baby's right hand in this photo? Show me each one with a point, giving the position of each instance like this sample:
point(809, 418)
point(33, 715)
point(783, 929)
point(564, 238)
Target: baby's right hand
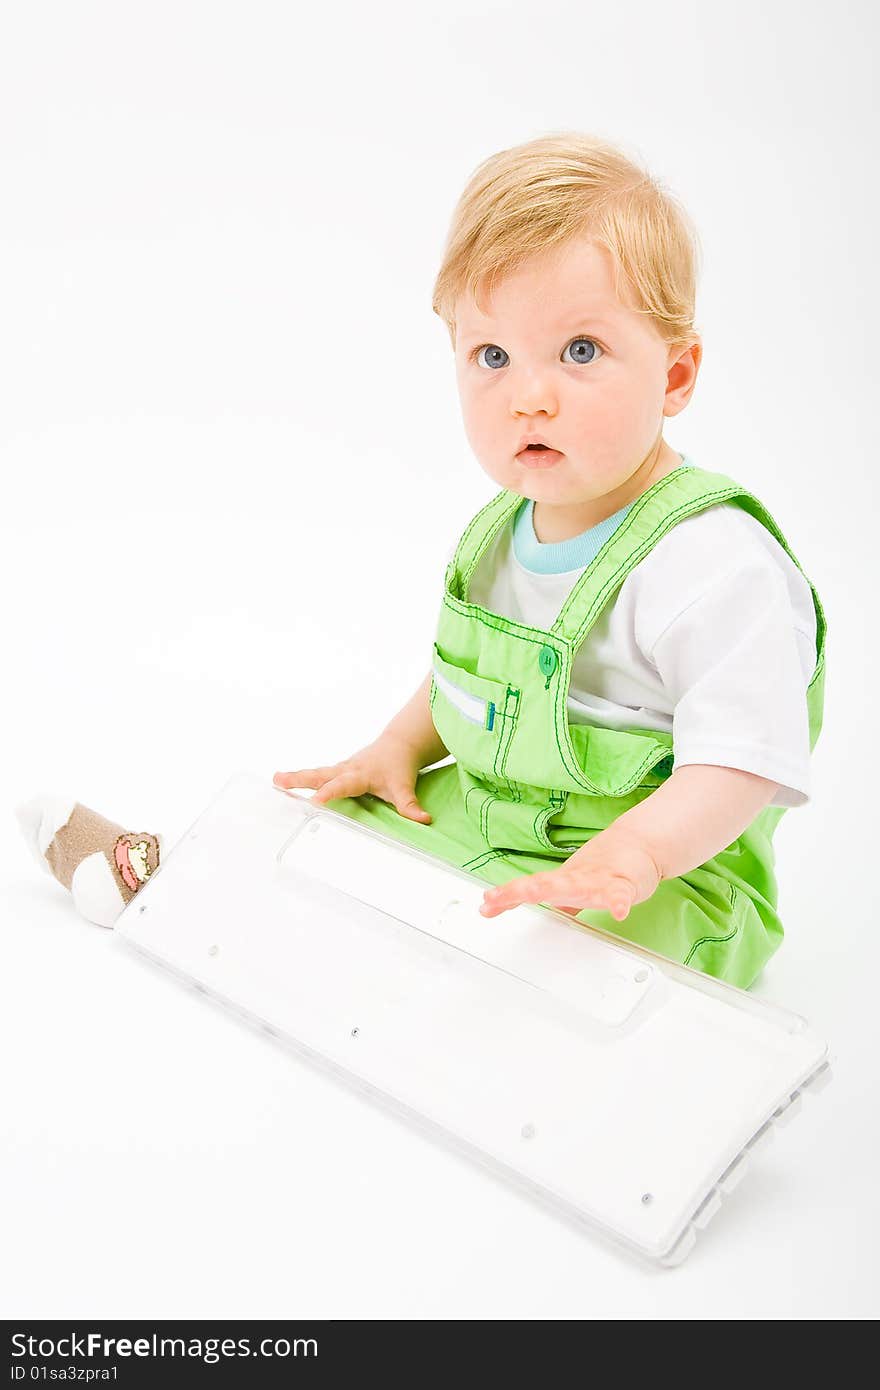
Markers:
point(388, 768)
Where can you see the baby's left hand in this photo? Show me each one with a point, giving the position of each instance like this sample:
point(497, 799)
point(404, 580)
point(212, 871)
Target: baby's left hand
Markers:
point(604, 873)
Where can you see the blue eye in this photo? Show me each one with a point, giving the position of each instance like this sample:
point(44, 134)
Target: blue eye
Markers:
point(583, 350)
point(497, 356)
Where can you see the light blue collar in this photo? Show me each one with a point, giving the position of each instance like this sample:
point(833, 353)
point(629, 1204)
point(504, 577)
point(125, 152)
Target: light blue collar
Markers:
point(557, 557)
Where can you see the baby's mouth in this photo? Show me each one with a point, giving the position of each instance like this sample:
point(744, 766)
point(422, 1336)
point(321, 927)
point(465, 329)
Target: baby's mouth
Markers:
point(538, 455)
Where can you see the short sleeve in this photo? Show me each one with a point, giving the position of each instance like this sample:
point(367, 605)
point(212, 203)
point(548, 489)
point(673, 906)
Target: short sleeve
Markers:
point(732, 665)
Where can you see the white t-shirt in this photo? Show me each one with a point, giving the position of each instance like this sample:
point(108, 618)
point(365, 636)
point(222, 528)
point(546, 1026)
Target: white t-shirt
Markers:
point(711, 637)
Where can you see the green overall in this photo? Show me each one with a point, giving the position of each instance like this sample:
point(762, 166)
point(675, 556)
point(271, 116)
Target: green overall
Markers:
point(527, 787)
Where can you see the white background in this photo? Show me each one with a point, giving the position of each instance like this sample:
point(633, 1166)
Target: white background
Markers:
point(233, 467)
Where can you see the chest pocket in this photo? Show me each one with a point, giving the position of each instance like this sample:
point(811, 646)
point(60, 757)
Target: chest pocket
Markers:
point(474, 716)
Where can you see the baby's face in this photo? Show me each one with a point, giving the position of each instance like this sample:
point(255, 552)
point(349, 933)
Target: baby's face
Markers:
point(558, 356)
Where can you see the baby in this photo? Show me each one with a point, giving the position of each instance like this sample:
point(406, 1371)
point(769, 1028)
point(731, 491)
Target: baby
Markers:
point(628, 667)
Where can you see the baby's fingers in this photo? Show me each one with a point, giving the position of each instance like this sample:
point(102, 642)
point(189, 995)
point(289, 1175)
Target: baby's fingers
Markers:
point(606, 891)
point(601, 890)
point(405, 803)
point(345, 784)
point(313, 777)
point(530, 888)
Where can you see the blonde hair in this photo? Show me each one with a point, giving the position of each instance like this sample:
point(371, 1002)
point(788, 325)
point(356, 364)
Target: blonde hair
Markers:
point(542, 194)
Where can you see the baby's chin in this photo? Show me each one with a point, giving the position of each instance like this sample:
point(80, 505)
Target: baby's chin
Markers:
point(560, 483)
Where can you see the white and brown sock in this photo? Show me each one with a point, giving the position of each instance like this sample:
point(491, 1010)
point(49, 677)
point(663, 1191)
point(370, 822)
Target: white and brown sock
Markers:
point(101, 864)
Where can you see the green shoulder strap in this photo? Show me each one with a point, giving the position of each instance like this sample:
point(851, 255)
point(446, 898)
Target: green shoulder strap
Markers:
point(478, 535)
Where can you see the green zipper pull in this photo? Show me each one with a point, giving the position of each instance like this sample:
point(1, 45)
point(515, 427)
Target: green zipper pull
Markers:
point(547, 662)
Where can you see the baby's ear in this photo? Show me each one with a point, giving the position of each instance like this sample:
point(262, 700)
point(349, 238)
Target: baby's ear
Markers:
point(683, 366)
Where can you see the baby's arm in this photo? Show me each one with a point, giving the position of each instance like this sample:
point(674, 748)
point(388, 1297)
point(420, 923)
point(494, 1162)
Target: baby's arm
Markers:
point(699, 811)
point(415, 726)
point(388, 767)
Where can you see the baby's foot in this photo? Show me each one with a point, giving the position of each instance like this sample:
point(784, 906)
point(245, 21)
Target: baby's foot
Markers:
point(101, 864)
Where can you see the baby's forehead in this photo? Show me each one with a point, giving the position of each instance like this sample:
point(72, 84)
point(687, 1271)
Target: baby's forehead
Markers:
point(556, 289)
point(551, 312)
